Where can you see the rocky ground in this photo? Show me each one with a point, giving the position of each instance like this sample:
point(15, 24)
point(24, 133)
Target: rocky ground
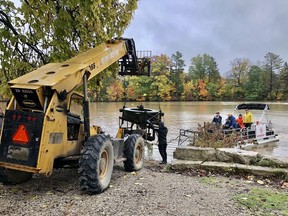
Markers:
point(151, 191)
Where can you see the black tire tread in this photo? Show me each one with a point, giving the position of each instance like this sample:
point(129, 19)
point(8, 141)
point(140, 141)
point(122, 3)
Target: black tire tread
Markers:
point(129, 148)
point(89, 178)
point(12, 177)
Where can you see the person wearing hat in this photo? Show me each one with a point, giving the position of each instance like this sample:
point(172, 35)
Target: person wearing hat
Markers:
point(230, 122)
point(217, 120)
point(247, 118)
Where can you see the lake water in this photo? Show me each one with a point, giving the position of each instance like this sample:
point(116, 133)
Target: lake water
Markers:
point(187, 115)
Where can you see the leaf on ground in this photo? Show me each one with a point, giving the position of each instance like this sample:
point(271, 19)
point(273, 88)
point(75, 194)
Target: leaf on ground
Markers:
point(284, 185)
point(33, 197)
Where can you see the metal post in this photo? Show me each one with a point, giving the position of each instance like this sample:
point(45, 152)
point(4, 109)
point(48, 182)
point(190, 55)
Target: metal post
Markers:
point(86, 109)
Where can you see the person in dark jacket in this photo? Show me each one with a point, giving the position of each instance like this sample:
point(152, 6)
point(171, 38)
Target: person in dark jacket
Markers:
point(1, 117)
point(162, 139)
point(217, 120)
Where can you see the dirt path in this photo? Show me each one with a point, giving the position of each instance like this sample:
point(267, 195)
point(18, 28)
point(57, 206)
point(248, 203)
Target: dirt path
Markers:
point(150, 191)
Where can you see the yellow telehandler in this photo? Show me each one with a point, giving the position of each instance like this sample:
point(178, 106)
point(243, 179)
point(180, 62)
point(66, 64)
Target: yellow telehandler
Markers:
point(43, 127)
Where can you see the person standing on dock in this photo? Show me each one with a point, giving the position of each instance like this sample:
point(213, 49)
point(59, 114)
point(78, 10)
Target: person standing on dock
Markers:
point(248, 118)
point(217, 120)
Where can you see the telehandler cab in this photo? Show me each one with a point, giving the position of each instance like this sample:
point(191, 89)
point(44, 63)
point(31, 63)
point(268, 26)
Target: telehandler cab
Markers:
point(43, 127)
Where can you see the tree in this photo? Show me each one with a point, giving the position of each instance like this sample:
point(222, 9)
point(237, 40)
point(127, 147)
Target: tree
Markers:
point(204, 68)
point(196, 69)
point(254, 87)
point(272, 66)
point(39, 32)
point(284, 81)
point(115, 91)
point(238, 75)
point(203, 93)
point(162, 87)
point(239, 70)
point(177, 77)
point(189, 91)
point(213, 74)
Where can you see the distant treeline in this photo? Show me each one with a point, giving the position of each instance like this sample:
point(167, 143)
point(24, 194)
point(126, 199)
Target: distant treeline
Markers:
point(202, 82)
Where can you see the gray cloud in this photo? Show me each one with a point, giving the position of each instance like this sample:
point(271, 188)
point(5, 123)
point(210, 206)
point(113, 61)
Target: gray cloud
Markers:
point(224, 29)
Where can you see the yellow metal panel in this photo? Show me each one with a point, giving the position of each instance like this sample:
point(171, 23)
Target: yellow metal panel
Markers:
point(38, 89)
point(48, 75)
point(100, 57)
point(23, 86)
point(55, 123)
point(19, 167)
point(68, 75)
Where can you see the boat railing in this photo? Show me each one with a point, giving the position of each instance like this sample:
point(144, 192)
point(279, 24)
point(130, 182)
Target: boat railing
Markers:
point(187, 135)
point(240, 136)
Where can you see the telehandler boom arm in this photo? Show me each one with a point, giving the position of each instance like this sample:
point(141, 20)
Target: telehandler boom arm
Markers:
point(66, 76)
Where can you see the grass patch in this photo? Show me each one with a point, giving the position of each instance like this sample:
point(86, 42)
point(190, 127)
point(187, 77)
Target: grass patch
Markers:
point(265, 201)
point(209, 180)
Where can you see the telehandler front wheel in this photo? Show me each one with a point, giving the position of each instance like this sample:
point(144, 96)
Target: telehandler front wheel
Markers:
point(134, 152)
point(12, 177)
point(96, 164)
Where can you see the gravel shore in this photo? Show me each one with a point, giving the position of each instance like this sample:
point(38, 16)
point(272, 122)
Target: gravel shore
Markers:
point(151, 191)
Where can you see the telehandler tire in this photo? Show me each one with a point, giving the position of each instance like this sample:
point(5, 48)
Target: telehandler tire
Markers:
point(96, 164)
point(134, 149)
point(12, 177)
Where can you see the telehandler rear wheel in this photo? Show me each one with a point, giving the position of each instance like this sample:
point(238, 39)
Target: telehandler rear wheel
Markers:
point(12, 177)
point(96, 164)
point(134, 152)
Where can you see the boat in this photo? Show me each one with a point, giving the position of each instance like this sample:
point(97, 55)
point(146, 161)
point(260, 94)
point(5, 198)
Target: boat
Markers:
point(261, 130)
point(259, 133)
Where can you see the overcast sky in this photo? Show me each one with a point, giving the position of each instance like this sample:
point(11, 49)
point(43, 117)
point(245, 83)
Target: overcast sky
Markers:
point(224, 29)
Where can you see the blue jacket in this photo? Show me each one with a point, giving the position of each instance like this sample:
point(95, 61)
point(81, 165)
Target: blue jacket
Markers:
point(231, 123)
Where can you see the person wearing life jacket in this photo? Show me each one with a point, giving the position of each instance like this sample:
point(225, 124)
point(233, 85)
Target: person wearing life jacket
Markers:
point(239, 121)
point(247, 118)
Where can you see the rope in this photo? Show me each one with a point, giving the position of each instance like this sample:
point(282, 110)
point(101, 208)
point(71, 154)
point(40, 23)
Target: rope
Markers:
point(174, 139)
point(125, 91)
point(170, 141)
